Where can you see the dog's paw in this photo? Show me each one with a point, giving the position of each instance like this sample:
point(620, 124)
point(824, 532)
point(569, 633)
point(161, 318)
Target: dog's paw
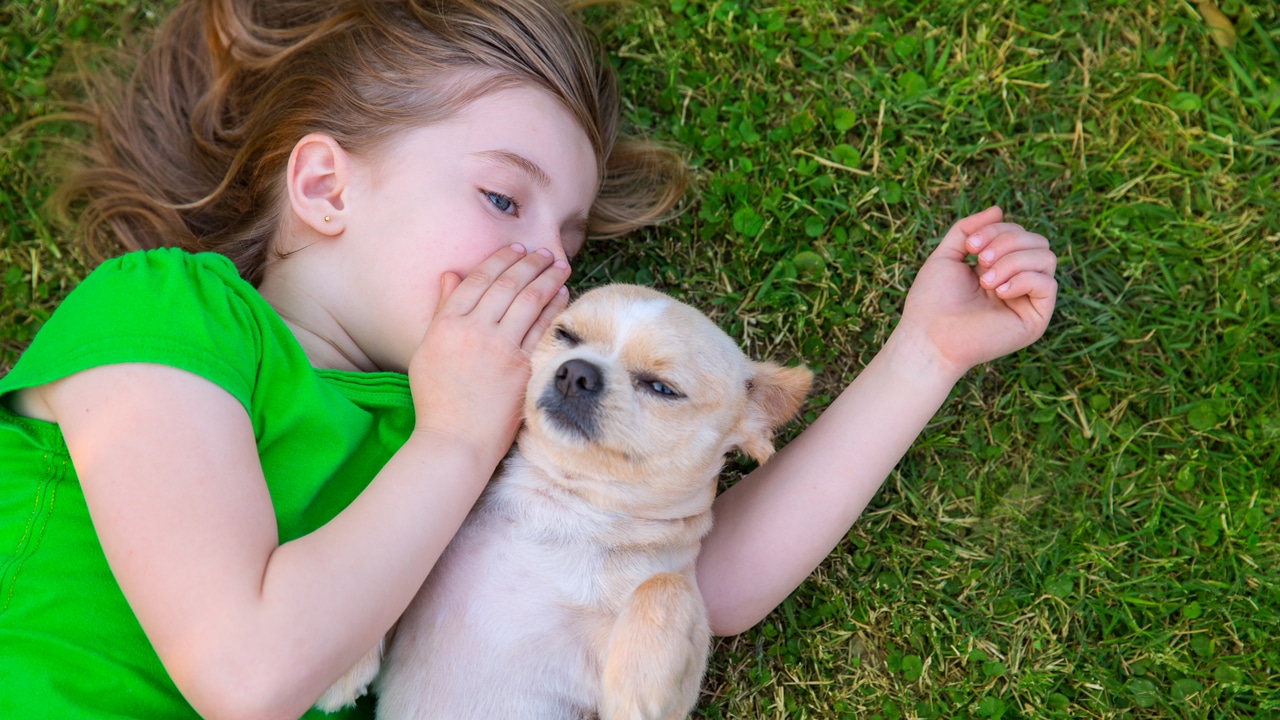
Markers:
point(354, 684)
point(657, 652)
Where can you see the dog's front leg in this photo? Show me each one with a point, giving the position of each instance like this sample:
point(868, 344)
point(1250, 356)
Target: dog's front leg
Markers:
point(657, 651)
point(355, 683)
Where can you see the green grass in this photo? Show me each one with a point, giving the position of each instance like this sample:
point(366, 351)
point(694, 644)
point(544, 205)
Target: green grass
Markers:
point(1087, 529)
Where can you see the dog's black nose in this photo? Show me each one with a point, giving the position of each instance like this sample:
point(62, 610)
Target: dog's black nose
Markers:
point(578, 378)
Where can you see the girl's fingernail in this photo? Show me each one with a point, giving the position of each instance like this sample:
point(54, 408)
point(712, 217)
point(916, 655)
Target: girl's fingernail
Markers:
point(560, 264)
point(543, 252)
point(989, 277)
point(563, 290)
point(987, 256)
point(974, 242)
point(517, 247)
point(1002, 289)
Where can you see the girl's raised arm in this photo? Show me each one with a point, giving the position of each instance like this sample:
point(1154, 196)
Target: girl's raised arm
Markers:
point(777, 524)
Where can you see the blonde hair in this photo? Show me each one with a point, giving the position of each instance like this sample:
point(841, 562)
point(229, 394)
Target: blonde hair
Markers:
point(190, 150)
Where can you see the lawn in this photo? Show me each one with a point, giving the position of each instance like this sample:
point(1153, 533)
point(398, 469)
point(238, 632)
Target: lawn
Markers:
point(1088, 529)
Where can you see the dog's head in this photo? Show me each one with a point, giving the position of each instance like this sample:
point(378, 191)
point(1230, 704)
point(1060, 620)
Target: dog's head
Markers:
point(637, 398)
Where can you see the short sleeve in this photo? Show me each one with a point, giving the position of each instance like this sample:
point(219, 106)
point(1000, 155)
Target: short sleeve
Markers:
point(169, 307)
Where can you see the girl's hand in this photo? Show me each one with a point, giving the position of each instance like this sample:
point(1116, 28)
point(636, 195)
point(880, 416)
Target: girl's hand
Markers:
point(469, 374)
point(974, 313)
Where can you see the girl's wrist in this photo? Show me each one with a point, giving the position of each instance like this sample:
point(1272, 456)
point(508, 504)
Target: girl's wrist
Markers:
point(465, 455)
point(910, 349)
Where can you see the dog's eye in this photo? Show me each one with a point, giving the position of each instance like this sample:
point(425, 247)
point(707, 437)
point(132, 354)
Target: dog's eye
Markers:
point(657, 387)
point(565, 336)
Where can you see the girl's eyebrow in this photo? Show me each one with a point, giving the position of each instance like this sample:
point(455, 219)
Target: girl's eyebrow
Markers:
point(517, 161)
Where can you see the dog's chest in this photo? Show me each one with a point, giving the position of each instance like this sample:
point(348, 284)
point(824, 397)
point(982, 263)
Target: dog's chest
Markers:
point(526, 544)
point(516, 617)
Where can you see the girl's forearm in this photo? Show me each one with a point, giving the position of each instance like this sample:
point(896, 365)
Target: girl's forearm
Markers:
point(776, 525)
point(328, 596)
point(246, 626)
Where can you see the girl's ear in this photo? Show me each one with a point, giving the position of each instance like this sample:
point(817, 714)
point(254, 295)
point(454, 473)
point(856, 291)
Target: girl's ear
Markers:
point(317, 177)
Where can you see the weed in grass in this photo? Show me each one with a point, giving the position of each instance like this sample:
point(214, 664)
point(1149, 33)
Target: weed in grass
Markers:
point(1086, 530)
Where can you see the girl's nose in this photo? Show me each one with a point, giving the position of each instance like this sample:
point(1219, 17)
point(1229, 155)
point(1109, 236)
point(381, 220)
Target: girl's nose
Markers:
point(550, 240)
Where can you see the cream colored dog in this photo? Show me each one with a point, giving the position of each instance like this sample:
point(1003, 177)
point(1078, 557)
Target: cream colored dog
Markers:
point(569, 592)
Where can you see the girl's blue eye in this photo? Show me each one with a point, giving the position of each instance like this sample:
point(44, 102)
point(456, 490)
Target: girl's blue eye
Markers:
point(503, 203)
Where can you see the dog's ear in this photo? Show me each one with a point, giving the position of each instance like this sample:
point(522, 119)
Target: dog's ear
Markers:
point(774, 395)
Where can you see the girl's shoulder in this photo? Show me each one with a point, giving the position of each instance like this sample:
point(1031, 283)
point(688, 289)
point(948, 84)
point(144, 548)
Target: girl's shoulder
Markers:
point(169, 293)
point(169, 271)
point(164, 306)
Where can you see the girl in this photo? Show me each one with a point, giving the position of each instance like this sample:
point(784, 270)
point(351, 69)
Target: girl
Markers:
point(228, 460)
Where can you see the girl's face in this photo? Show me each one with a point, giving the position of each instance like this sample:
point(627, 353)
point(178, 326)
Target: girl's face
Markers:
point(513, 166)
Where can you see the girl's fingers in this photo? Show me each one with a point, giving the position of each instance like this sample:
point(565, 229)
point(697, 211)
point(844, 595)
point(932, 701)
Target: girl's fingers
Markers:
point(510, 280)
point(953, 243)
point(466, 296)
point(1009, 242)
point(517, 313)
point(1039, 291)
point(522, 290)
point(557, 305)
point(986, 236)
point(448, 283)
point(1038, 260)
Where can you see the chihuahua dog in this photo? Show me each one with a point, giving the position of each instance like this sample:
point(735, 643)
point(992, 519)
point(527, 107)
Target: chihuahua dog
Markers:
point(569, 592)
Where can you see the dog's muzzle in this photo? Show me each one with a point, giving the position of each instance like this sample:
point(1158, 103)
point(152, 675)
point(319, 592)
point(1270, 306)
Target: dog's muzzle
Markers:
point(572, 400)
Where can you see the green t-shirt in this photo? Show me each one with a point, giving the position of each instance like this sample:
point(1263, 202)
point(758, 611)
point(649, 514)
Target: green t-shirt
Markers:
point(69, 645)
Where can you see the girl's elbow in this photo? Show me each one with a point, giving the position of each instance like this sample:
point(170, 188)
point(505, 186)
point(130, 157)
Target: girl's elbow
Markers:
point(732, 619)
point(732, 607)
point(731, 629)
point(230, 690)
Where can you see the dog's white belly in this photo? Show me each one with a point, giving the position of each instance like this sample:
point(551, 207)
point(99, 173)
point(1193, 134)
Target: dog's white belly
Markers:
point(508, 627)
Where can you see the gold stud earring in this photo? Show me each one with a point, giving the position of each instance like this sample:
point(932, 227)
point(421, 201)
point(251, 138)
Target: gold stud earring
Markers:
point(326, 218)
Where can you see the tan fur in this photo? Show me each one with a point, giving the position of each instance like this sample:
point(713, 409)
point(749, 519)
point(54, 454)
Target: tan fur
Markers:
point(570, 591)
